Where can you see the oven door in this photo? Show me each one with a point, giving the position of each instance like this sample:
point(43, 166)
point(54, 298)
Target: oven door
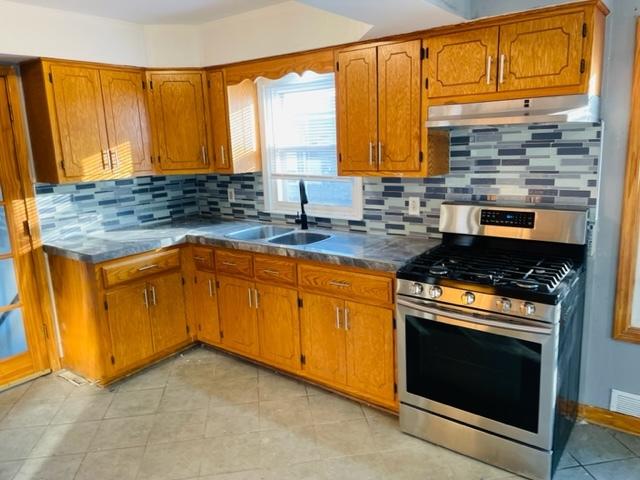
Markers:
point(494, 372)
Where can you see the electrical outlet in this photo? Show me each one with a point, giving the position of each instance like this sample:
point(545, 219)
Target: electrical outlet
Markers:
point(231, 194)
point(414, 206)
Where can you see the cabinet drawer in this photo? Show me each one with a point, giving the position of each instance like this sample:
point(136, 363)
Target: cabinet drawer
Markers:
point(139, 266)
point(234, 263)
point(275, 270)
point(352, 285)
point(203, 258)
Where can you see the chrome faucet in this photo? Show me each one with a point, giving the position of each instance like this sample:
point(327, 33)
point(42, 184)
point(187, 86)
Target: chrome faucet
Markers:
point(301, 219)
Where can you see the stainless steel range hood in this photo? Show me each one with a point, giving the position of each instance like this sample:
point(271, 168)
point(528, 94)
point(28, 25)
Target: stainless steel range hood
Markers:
point(567, 108)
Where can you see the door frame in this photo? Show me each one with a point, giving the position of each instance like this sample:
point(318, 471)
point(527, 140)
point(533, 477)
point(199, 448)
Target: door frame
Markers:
point(38, 308)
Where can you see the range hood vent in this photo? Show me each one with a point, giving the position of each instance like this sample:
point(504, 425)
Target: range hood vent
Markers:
point(562, 109)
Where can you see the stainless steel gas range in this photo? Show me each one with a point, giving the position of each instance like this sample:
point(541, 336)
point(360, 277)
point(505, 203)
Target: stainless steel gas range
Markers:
point(489, 334)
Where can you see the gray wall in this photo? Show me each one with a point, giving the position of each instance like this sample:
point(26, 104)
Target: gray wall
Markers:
point(607, 363)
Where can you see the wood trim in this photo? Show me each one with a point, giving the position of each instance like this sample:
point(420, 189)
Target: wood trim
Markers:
point(49, 355)
point(607, 418)
point(630, 223)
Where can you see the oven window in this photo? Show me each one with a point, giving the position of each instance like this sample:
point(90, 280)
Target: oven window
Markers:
point(489, 375)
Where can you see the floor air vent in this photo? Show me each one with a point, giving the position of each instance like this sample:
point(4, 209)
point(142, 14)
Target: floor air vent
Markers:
point(626, 403)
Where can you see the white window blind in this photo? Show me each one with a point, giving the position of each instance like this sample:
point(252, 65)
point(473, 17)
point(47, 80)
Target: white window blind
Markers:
point(299, 132)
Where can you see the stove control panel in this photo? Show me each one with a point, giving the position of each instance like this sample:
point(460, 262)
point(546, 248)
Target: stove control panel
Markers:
point(506, 218)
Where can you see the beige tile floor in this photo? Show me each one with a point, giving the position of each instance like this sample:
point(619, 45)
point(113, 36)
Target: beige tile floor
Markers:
point(206, 415)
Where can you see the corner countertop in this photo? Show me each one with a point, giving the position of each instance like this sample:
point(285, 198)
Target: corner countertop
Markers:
point(376, 252)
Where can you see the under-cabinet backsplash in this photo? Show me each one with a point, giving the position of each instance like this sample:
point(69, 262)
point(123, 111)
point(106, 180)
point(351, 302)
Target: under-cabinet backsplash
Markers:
point(519, 164)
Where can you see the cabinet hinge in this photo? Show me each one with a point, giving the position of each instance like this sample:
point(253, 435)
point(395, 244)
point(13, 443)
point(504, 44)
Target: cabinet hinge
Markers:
point(10, 112)
point(183, 282)
point(300, 303)
point(583, 65)
point(303, 359)
point(426, 52)
point(106, 305)
point(394, 323)
point(208, 83)
point(144, 85)
point(426, 83)
point(217, 284)
point(337, 66)
point(395, 388)
point(150, 84)
point(27, 228)
point(423, 53)
point(195, 279)
point(421, 157)
point(221, 334)
point(45, 330)
point(199, 327)
point(151, 157)
point(584, 30)
point(339, 157)
point(188, 330)
point(50, 77)
point(113, 360)
point(62, 164)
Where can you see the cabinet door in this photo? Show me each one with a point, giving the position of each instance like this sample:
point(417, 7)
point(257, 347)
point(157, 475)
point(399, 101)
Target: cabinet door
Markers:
point(463, 63)
point(206, 307)
point(541, 53)
point(168, 319)
point(180, 120)
point(323, 338)
point(244, 127)
point(279, 326)
point(399, 126)
point(357, 114)
point(81, 123)
point(238, 317)
point(370, 352)
point(129, 327)
point(219, 121)
point(127, 125)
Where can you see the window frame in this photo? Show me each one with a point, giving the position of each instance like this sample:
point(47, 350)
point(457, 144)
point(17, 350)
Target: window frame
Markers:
point(271, 202)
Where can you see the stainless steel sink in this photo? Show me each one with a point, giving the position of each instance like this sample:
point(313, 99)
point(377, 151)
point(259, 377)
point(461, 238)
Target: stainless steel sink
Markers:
point(258, 233)
point(299, 238)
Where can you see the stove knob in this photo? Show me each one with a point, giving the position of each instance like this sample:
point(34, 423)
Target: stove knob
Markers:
point(504, 304)
point(468, 298)
point(528, 308)
point(418, 288)
point(435, 292)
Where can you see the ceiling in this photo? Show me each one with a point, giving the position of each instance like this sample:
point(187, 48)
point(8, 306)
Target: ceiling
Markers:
point(156, 11)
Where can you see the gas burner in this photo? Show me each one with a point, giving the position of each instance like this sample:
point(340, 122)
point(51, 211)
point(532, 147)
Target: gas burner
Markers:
point(528, 286)
point(438, 270)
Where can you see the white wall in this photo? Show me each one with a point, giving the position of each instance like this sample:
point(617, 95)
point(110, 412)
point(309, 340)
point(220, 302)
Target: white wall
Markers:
point(36, 31)
point(173, 46)
point(282, 28)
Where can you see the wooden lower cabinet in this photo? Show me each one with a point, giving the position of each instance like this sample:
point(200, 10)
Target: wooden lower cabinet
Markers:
point(370, 350)
point(129, 326)
point(238, 318)
point(205, 308)
point(279, 326)
point(323, 342)
point(168, 320)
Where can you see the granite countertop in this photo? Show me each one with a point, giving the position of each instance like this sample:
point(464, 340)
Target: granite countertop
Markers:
point(377, 252)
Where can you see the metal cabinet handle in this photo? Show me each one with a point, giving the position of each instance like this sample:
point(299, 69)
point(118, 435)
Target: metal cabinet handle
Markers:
point(223, 155)
point(371, 153)
point(338, 318)
point(105, 160)
point(147, 267)
point(256, 296)
point(249, 292)
point(380, 158)
point(153, 296)
point(229, 264)
point(501, 73)
point(210, 288)
point(114, 159)
point(203, 154)
point(489, 60)
point(271, 272)
point(336, 283)
point(346, 318)
point(145, 297)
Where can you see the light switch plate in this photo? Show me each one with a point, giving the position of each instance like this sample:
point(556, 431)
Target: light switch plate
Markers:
point(231, 194)
point(414, 206)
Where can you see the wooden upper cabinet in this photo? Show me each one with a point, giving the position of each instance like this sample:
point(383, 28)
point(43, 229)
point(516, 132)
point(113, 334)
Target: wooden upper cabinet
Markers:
point(463, 63)
point(129, 326)
point(542, 53)
point(127, 122)
point(235, 124)
point(399, 126)
point(357, 109)
point(179, 118)
point(166, 304)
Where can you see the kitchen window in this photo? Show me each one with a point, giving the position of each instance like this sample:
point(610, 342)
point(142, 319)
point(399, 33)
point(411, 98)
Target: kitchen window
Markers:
point(298, 121)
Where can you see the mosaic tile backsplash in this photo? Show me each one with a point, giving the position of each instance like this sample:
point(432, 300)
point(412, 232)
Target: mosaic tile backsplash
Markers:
point(519, 164)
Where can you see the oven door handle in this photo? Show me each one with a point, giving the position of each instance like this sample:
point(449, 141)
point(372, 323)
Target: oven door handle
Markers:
point(485, 320)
